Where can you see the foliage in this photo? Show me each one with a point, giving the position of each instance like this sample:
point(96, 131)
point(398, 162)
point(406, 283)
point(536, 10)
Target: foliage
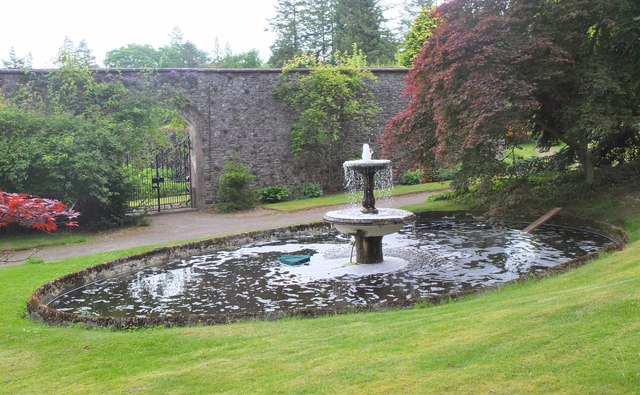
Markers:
point(133, 56)
point(329, 99)
point(311, 190)
point(360, 23)
point(496, 72)
point(34, 212)
point(243, 60)
point(178, 54)
point(287, 24)
point(409, 10)
point(411, 177)
point(273, 194)
point(67, 136)
point(421, 29)
point(235, 190)
point(325, 27)
point(17, 62)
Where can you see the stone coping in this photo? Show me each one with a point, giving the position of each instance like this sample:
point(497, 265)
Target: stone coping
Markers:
point(39, 310)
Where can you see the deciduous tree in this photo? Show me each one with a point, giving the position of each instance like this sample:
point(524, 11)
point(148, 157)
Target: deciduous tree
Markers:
point(496, 71)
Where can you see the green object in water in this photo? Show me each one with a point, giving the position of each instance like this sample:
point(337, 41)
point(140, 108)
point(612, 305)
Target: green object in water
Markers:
point(293, 260)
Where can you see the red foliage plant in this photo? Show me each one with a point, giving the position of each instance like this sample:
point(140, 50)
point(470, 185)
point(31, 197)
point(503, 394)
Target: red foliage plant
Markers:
point(34, 212)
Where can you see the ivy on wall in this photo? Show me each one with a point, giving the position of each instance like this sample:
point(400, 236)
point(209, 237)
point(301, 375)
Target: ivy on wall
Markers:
point(329, 99)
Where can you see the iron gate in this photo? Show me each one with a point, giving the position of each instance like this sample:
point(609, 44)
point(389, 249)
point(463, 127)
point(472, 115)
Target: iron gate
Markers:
point(164, 182)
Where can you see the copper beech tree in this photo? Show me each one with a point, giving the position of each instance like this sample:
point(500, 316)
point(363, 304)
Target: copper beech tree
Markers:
point(499, 72)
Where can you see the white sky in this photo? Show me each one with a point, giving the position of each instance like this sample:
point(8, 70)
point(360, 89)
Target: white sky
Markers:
point(40, 26)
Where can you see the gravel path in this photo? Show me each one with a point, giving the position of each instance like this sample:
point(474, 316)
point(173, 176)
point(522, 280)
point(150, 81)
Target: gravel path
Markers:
point(191, 224)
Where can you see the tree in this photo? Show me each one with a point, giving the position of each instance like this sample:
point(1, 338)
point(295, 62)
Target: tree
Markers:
point(414, 39)
point(32, 212)
point(359, 22)
point(319, 25)
point(182, 55)
point(16, 62)
point(287, 24)
point(497, 71)
point(133, 56)
point(244, 60)
point(323, 27)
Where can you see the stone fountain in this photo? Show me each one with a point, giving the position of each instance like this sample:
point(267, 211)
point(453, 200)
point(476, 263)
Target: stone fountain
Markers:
point(368, 224)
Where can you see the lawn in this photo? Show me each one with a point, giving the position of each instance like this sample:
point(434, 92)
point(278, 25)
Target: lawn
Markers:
point(330, 200)
point(576, 332)
point(36, 239)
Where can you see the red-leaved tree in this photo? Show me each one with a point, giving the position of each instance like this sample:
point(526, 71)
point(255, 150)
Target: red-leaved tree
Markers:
point(498, 71)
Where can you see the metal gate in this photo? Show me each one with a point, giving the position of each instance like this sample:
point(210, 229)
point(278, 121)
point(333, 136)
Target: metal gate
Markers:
point(164, 182)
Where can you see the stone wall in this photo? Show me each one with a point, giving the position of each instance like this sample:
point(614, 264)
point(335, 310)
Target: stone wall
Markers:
point(233, 115)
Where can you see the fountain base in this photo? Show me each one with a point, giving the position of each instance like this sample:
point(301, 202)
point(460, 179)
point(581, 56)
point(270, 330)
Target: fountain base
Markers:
point(369, 229)
point(369, 249)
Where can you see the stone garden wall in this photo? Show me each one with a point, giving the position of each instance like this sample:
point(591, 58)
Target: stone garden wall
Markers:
point(233, 115)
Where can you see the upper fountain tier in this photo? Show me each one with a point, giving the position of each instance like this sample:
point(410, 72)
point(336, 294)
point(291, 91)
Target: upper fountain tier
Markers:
point(367, 163)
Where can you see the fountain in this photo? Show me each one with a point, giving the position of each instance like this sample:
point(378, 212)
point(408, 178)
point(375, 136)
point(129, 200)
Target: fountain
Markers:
point(368, 224)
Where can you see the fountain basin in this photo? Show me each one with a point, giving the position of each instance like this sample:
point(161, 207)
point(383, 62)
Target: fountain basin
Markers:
point(355, 222)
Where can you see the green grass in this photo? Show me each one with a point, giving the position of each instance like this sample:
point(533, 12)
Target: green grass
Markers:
point(525, 151)
point(330, 200)
point(36, 239)
point(574, 333)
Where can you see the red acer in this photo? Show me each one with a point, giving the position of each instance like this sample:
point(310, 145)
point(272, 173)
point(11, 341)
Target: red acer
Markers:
point(34, 212)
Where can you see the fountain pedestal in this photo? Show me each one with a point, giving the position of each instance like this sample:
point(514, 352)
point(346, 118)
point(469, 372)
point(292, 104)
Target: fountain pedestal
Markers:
point(369, 249)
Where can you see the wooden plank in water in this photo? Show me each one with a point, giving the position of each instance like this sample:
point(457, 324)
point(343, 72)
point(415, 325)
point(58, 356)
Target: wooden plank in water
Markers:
point(533, 226)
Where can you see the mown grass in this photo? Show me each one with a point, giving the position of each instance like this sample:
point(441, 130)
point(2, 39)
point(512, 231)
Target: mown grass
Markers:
point(576, 332)
point(36, 239)
point(330, 200)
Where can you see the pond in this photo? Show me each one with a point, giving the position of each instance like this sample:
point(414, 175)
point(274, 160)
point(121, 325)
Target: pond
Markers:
point(431, 257)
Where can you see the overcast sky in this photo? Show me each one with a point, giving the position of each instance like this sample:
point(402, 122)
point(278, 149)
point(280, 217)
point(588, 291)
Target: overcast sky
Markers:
point(39, 26)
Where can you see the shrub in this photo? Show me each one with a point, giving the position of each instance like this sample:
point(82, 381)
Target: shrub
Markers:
point(235, 191)
point(273, 194)
point(445, 174)
point(311, 190)
point(411, 177)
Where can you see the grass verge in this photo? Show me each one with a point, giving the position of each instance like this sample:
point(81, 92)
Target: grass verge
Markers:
point(576, 332)
point(330, 200)
point(36, 239)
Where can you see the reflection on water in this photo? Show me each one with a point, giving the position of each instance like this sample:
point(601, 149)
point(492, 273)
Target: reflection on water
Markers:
point(431, 257)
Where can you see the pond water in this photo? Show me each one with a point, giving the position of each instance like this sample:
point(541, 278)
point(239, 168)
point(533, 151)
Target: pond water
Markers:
point(428, 258)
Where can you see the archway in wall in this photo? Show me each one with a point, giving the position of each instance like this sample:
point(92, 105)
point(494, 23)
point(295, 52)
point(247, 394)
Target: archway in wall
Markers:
point(162, 180)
